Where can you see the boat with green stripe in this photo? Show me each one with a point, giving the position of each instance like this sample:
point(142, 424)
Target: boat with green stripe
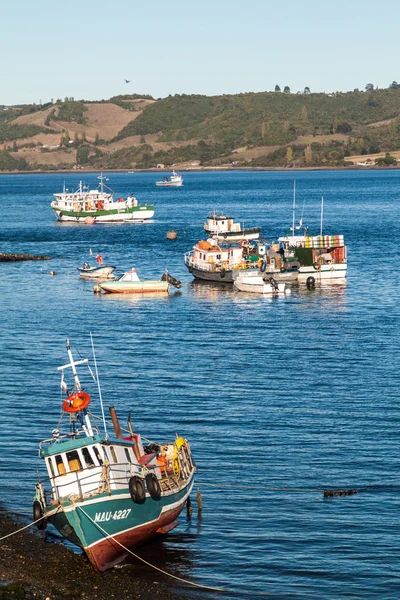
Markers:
point(109, 494)
point(98, 205)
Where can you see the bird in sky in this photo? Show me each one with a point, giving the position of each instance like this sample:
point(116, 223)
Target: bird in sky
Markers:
point(127, 80)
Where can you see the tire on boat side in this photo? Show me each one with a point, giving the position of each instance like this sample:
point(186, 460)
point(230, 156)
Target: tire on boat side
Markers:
point(137, 489)
point(222, 273)
point(153, 486)
point(38, 514)
point(310, 282)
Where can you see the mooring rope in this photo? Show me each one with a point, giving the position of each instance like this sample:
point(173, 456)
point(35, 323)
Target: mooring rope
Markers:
point(198, 585)
point(52, 512)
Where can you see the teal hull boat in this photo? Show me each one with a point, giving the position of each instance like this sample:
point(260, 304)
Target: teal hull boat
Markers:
point(108, 495)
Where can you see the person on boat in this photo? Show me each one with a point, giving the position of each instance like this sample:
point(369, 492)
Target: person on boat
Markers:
point(99, 259)
point(282, 252)
point(86, 265)
point(165, 179)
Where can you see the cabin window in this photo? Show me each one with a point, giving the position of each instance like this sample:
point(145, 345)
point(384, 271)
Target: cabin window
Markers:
point(113, 455)
point(50, 464)
point(219, 256)
point(87, 458)
point(60, 465)
point(74, 461)
point(97, 454)
point(127, 455)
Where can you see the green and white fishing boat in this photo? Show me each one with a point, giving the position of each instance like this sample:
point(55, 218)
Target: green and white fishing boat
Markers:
point(108, 494)
point(98, 206)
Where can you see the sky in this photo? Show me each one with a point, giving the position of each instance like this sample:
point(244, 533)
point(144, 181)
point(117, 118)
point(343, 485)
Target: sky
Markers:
point(86, 49)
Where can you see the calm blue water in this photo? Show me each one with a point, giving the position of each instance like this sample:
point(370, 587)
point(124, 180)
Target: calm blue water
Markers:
point(300, 391)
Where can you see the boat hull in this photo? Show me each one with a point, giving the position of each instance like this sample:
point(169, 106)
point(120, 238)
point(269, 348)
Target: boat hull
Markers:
point(211, 275)
point(135, 287)
point(135, 214)
point(325, 272)
point(97, 525)
point(96, 272)
point(253, 288)
point(169, 183)
point(248, 234)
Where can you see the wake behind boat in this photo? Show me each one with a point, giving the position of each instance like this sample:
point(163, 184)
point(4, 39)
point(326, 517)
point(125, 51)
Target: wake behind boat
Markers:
point(108, 494)
point(98, 206)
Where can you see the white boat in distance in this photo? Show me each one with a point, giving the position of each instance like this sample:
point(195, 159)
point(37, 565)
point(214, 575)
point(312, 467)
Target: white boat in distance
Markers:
point(255, 283)
point(175, 180)
point(98, 206)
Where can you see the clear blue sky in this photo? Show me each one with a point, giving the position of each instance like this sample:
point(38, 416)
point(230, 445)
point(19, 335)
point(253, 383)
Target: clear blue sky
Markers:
point(86, 49)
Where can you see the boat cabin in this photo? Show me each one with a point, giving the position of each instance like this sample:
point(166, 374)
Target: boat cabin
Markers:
point(221, 224)
point(209, 256)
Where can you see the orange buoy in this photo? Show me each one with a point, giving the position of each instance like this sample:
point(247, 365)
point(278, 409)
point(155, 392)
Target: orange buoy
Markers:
point(75, 402)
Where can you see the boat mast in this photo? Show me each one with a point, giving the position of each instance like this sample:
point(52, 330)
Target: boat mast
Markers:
point(322, 213)
point(101, 183)
point(72, 364)
point(294, 206)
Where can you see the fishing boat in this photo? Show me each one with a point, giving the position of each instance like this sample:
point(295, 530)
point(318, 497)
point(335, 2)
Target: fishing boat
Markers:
point(103, 272)
point(222, 227)
point(98, 206)
point(213, 262)
point(108, 493)
point(255, 283)
point(175, 180)
point(318, 258)
point(129, 283)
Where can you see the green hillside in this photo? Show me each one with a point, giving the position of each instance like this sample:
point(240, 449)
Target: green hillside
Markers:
point(267, 129)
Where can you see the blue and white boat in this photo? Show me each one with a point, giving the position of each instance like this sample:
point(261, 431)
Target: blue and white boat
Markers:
point(108, 494)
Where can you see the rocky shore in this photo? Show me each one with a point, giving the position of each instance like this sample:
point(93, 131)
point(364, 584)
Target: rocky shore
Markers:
point(33, 568)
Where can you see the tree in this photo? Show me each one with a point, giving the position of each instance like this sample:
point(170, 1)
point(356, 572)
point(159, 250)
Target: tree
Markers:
point(142, 139)
point(96, 139)
point(307, 90)
point(83, 137)
point(277, 88)
point(308, 154)
point(394, 85)
point(286, 89)
point(76, 139)
point(82, 155)
point(15, 147)
point(369, 87)
point(289, 155)
point(344, 127)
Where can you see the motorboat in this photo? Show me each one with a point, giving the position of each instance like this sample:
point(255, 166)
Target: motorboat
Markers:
point(100, 272)
point(175, 180)
point(255, 283)
point(221, 227)
point(211, 261)
point(129, 283)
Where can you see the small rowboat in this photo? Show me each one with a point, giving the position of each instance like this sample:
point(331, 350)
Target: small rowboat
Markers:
point(88, 272)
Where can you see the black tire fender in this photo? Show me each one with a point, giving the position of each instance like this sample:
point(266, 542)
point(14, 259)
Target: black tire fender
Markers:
point(38, 514)
point(310, 282)
point(153, 486)
point(137, 489)
point(222, 273)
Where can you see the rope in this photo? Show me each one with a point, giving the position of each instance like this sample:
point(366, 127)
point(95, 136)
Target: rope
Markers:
point(30, 524)
point(198, 585)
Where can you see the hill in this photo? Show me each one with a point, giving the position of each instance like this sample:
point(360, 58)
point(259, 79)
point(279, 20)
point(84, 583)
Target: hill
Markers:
point(267, 129)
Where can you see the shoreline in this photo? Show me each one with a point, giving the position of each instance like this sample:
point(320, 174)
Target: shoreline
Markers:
point(206, 169)
point(32, 567)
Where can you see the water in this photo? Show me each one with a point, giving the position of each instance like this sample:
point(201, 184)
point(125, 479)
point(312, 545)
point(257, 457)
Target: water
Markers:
point(300, 391)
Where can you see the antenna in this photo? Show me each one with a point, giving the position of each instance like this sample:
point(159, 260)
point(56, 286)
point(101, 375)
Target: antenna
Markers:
point(294, 205)
point(322, 213)
point(99, 388)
